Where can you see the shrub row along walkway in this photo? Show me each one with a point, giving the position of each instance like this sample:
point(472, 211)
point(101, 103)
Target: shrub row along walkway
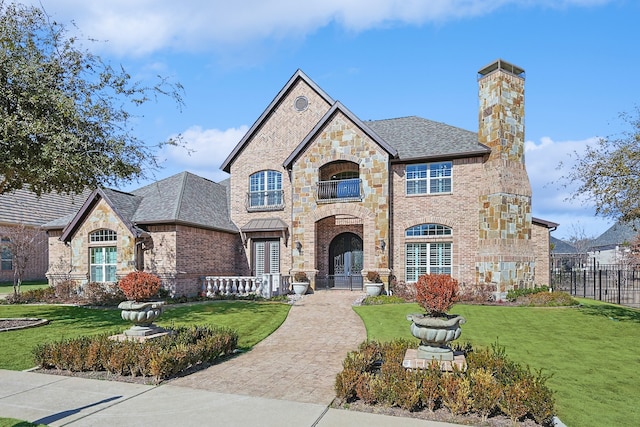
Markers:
point(299, 361)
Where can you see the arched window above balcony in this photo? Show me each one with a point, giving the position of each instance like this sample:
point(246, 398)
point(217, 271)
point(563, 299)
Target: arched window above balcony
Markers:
point(339, 182)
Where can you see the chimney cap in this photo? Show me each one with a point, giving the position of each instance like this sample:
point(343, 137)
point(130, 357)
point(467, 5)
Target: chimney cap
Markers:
point(503, 65)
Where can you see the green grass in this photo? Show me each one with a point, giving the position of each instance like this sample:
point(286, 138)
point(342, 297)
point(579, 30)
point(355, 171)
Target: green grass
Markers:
point(592, 353)
point(6, 288)
point(252, 320)
point(11, 422)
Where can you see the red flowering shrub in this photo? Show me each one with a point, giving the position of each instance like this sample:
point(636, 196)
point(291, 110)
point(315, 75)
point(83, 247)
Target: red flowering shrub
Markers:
point(436, 293)
point(139, 285)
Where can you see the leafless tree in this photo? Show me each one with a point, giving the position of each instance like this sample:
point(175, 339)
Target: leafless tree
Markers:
point(24, 242)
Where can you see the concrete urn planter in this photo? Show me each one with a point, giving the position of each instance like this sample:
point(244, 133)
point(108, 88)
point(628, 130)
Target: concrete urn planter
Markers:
point(373, 289)
point(142, 315)
point(300, 288)
point(434, 334)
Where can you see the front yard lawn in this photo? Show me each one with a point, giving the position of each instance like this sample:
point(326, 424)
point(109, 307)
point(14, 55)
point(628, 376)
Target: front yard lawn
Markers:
point(591, 352)
point(253, 321)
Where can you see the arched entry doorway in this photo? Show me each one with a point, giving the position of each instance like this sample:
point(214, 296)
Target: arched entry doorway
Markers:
point(345, 261)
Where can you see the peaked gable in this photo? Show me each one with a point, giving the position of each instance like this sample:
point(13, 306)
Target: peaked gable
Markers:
point(122, 204)
point(297, 77)
point(336, 108)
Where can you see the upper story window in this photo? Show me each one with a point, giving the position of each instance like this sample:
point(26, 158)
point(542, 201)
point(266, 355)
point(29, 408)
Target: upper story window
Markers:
point(429, 178)
point(103, 236)
point(265, 191)
point(428, 230)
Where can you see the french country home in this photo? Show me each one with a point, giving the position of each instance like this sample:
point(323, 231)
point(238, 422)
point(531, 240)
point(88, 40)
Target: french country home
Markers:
point(313, 188)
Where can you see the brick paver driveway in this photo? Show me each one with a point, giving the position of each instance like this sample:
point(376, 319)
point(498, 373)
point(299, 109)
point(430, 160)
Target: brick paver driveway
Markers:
point(299, 361)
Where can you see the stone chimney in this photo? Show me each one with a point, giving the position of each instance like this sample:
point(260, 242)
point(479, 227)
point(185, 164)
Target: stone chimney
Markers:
point(506, 253)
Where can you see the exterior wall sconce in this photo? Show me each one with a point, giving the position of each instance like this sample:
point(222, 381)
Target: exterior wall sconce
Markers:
point(383, 244)
point(298, 246)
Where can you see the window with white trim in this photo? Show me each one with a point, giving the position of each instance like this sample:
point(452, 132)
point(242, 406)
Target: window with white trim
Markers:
point(428, 230)
point(427, 258)
point(6, 254)
point(429, 178)
point(265, 190)
point(103, 259)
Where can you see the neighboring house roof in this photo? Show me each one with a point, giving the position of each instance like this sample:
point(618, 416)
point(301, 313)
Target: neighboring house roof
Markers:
point(184, 198)
point(298, 75)
point(617, 234)
point(25, 207)
point(335, 108)
point(416, 138)
point(562, 247)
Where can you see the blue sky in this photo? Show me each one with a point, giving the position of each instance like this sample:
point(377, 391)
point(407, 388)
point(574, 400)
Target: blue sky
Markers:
point(381, 59)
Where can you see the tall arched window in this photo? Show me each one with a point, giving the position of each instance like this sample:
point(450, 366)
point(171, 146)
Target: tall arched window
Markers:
point(103, 255)
point(265, 191)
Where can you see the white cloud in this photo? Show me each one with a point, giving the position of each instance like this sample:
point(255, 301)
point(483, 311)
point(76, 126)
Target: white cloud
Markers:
point(145, 26)
point(550, 196)
point(204, 151)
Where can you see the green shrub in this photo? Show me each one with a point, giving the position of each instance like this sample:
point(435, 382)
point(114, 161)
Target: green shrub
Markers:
point(514, 294)
point(160, 358)
point(382, 299)
point(549, 299)
point(455, 392)
point(491, 383)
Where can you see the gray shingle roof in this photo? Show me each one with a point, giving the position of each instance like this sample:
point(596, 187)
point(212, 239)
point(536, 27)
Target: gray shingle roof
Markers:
point(184, 198)
point(617, 234)
point(418, 138)
point(562, 247)
point(23, 206)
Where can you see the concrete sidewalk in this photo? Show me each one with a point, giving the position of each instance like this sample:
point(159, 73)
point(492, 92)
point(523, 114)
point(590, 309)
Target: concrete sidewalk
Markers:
point(285, 380)
point(59, 401)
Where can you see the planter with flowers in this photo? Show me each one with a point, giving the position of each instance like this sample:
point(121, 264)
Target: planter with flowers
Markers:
point(373, 284)
point(138, 287)
point(300, 283)
point(436, 293)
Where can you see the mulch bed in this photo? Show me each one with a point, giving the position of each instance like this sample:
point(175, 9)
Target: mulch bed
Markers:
point(20, 323)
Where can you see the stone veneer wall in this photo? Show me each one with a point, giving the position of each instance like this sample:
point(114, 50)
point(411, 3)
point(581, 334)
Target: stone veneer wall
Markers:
point(457, 210)
point(72, 261)
point(280, 134)
point(506, 255)
point(342, 140)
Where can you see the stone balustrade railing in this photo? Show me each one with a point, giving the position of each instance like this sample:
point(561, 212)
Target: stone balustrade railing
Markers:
point(266, 286)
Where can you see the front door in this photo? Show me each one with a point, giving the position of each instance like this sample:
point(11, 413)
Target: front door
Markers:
point(266, 257)
point(345, 261)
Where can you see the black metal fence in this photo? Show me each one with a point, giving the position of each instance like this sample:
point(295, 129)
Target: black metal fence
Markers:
point(616, 283)
point(352, 283)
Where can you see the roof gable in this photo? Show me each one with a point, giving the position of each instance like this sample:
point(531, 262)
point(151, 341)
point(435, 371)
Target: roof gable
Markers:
point(336, 108)
point(122, 204)
point(297, 76)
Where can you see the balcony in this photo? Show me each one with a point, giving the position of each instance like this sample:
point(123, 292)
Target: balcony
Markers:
point(272, 200)
point(343, 190)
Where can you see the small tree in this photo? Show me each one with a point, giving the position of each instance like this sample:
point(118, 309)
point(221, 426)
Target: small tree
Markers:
point(608, 173)
point(23, 241)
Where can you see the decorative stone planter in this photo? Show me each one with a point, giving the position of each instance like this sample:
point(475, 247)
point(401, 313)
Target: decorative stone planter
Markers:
point(373, 289)
point(434, 334)
point(300, 288)
point(142, 315)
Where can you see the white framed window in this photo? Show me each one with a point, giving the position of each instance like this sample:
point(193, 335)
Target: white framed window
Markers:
point(428, 230)
point(429, 178)
point(103, 264)
point(265, 190)
point(6, 254)
point(103, 259)
point(427, 258)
